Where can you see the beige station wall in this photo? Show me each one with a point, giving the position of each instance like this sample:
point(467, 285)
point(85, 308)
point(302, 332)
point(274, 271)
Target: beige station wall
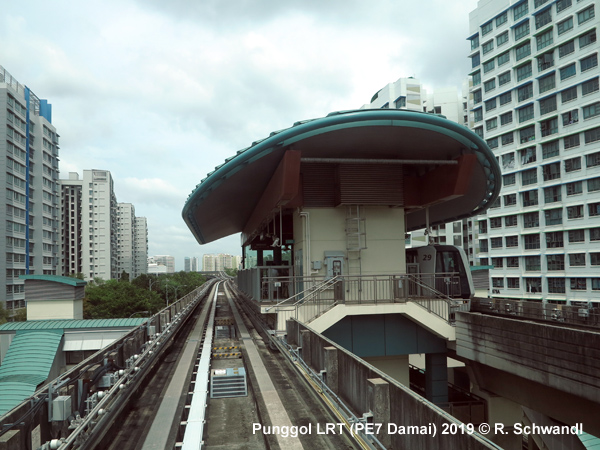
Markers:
point(54, 309)
point(384, 227)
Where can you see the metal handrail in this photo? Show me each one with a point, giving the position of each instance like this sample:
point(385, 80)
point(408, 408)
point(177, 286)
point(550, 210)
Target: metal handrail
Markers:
point(314, 289)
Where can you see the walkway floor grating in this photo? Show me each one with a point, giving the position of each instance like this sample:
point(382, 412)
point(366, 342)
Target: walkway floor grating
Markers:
point(228, 383)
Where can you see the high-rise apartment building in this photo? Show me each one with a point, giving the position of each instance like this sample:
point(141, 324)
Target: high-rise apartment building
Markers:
point(408, 93)
point(141, 246)
point(165, 260)
point(126, 261)
point(89, 225)
point(219, 262)
point(535, 99)
point(29, 148)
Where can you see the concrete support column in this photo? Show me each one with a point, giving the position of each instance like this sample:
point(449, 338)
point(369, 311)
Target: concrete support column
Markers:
point(436, 377)
point(378, 401)
point(331, 368)
point(305, 344)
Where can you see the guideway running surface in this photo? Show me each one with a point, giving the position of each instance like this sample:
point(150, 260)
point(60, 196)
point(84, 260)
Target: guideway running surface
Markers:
point(158, 436)
point(276, 411)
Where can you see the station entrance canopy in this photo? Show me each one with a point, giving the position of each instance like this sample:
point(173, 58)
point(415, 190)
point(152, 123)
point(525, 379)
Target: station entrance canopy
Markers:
point(421, 162)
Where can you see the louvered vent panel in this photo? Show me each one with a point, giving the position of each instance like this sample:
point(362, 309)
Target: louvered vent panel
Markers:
point(318, 182)
point(371, 184)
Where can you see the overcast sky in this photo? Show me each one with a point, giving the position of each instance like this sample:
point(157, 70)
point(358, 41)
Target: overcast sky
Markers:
point(159, 93)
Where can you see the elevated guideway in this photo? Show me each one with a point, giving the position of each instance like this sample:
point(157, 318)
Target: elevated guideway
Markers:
point(551, 368)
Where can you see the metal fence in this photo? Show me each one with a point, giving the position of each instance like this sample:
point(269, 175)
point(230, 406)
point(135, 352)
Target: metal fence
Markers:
point(581, 315)
point(312, 296)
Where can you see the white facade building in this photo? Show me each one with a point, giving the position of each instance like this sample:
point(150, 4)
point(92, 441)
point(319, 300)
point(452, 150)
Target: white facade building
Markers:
point(535, 99)
point(164, 260)
point(220, 262)
point(126, 240)
point(29, 212)
point(141, 246)
point(89, 224)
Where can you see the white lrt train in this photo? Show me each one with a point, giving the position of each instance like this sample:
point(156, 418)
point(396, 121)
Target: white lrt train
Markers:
point(444, 268)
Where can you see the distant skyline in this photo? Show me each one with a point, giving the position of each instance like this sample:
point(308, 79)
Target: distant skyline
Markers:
point(159, 95)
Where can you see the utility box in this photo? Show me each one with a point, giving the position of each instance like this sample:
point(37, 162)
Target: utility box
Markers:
point(61, 408)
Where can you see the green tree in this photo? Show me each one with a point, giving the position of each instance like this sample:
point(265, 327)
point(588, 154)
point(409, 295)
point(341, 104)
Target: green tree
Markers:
point(124, 276)
point(114, 299)
point(20, 315)
point(3, 314)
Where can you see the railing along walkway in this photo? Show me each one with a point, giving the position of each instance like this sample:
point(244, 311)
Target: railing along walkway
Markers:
point(315, 295)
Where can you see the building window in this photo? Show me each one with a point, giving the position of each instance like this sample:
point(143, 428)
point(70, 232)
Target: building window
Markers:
point(553, 216)
point(503, 78)
point(595, 259)
point(502, 39)
point(489, 85)
point(589, 63)
point(561, 5)
point(533, 263)
point(576, 236)
point(525, 92)
point(506, 118)
point(551, 171)
point(503, 58)
point(555, 262)
point(564, 26)
point(589, 86)
point(578, 284)
point(508, 139)
point(497, 263)
point(543, 18)
point(568, 94)
point(501, 19)
point(487, 28)
point(483, 245)
point(531, 220)
point(566, 49)
point(585, 15)
point(504, 99)
point(483, 226)
point(496, 242)
point(550, 149)
point(495, 222)
point(529, 198)
point(554, 240)
point(544, 40)
point(475, 42)
point(497, 282)
point(512, 261)
point(487, 47)
point(491, 124)
point(490, 104)
point(508, 162)
point(575, 212)
point(587, 39)
point(594, 209)
point(521, 31)
point(492, 143)
point(529, 177)
point(523, 51)
point(547, 83)
point(591, 110)
point(571, 117)
point(509, 180)
point(552, 194)
point(556, 285)
point(520, 10)
point(549, 127)
point(488, 66)
point(511, 221)
point(478, 115)
point(568, 71)
point(595, 234)
point(573, 164)
point(571, 141)
point(531, 241)
point(525, 113)
point(475, 60)
point(574, 188)
point(576, 259)
point(592, 135)
point(548, 105)
point(512, 241)
point(524, 71)
point(512, 283)
point(528, 155)
point(593, 184)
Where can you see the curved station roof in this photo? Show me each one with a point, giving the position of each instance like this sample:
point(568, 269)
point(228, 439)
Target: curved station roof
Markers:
point(400, 158)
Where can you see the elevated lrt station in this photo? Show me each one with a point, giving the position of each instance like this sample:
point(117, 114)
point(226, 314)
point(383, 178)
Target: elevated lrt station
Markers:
point(323, 209)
